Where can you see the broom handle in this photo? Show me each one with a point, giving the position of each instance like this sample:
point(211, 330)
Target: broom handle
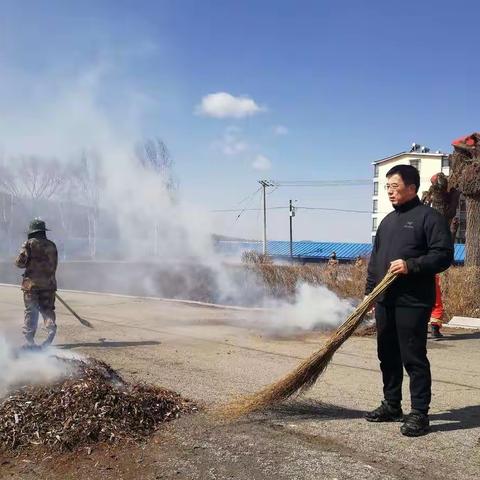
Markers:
point(366, 304)
point(60, 299)
point(379, 289)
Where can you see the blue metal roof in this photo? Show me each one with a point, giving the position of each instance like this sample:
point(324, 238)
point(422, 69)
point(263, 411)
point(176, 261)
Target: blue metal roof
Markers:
point(310, 250)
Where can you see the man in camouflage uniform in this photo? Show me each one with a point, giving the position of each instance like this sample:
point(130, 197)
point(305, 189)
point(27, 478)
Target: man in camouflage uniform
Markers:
point(38, 256)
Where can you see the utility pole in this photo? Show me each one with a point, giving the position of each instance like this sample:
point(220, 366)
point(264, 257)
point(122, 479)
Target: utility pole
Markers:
point(292, 214)
point(301, 183)
point(265, 184)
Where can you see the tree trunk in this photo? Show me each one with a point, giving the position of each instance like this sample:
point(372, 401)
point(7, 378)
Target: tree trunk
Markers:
point(92, 234)
point(9, 232)
point(94, 239)
point(472, 244)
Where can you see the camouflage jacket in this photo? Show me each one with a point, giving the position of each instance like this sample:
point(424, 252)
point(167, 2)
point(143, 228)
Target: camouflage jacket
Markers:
point(39, 258)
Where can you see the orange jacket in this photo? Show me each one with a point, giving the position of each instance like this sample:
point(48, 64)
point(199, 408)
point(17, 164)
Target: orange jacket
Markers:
point(438, 310)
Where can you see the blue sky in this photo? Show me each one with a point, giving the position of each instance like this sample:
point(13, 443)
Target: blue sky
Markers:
point(336, 85)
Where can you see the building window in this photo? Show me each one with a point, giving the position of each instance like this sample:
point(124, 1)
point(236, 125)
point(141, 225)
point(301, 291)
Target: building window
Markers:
point(445, 162)
point(374, 224)
point(375, 188)
point(415, 163)
point(375, 206)
point(373, 239)
point(375, 171)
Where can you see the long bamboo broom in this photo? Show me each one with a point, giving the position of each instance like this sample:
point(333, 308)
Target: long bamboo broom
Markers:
point(84, 322)
point(307, 373)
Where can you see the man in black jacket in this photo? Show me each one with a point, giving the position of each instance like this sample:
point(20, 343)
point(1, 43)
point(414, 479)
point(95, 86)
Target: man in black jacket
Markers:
point(413, 241)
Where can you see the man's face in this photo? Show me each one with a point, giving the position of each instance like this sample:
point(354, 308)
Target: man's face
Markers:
point(398, 192)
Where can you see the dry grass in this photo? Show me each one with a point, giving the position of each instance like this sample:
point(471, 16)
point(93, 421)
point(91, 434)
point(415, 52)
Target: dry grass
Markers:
point(281, 280)
point(460, 285)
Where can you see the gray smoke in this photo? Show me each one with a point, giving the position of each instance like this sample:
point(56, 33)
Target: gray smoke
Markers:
point(21, 368)
point(157, 243)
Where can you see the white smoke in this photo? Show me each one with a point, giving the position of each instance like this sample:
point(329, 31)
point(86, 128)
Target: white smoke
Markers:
point(314, 308)
point(22, 367)
point(66, 117)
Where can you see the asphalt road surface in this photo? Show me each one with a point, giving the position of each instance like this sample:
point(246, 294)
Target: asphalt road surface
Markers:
point(210, 354)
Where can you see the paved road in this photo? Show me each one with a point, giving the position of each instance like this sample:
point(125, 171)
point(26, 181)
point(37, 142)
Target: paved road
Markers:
point(210, 354)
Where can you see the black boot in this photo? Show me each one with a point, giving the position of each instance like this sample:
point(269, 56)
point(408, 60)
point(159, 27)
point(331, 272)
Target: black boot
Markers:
point(385, 413)
point(416, 424)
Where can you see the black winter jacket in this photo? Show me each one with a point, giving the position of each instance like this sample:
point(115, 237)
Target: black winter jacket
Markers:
point(419, 235)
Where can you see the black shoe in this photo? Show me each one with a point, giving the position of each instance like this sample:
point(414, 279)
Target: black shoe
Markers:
point(385, 413)
point(416, 424)
point(436, 333)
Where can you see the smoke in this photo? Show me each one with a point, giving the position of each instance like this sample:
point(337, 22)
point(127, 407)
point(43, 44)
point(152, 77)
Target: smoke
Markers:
point(315, 308)
point(17, 369)
point(132, 214)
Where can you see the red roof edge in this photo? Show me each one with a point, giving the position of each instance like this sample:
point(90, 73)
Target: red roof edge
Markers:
point(467, 140)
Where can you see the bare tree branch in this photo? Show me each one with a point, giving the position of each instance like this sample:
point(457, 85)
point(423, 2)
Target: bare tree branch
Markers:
point(154, 155)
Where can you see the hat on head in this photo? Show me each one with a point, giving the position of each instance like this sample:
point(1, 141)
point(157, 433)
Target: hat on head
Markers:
point(37, 225)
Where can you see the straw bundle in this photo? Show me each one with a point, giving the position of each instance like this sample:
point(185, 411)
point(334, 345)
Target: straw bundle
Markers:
point(307, 373)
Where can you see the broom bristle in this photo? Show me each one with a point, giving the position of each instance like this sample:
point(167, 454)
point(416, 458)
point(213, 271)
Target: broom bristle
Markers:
point(307, 373)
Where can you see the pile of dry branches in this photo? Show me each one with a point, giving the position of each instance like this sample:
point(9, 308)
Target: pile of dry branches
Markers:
point(91, 404)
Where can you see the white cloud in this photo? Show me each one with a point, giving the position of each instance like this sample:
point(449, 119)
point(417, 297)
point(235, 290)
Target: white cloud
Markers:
point(224, 105)
point(261, 162)
point(232, 142)
point(280, 130)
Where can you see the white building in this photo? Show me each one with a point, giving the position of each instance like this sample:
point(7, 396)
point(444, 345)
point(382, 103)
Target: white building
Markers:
point(427, 163)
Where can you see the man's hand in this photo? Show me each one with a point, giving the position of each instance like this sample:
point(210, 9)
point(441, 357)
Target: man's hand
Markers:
point(372, 308)
point(399, 267)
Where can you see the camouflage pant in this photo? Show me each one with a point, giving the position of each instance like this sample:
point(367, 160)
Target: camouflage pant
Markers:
point(39, 301)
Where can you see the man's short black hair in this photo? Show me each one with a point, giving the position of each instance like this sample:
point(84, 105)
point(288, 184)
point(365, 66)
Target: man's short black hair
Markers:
point(408, 174)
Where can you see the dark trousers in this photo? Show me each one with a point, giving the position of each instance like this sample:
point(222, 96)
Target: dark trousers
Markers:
point(402, 342)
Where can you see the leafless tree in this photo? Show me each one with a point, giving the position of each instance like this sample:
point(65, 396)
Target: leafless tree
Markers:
point(89, 181)
point(32, 177)
point(465, 175)
point(154, 155)
point(25, 181)
point(444, 199)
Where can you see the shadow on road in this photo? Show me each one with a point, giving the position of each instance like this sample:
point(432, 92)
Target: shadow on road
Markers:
point(306, 409)
point(457, 419)
point(460, 336)
point(103, 344)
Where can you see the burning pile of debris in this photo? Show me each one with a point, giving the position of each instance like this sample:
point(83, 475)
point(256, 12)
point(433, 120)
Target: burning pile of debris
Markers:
point(91, 404)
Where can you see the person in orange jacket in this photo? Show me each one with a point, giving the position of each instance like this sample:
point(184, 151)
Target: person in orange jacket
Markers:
point(436, 317)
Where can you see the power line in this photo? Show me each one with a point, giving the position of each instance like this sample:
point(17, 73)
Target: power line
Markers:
point(251, 196)
point(246, 209)
point(336, 210)
point(249, 200)
point(300, 183)
point(318, 183)
point(232, 210)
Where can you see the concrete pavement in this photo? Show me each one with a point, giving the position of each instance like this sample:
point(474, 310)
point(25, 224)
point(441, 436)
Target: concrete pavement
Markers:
point(210, 354)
